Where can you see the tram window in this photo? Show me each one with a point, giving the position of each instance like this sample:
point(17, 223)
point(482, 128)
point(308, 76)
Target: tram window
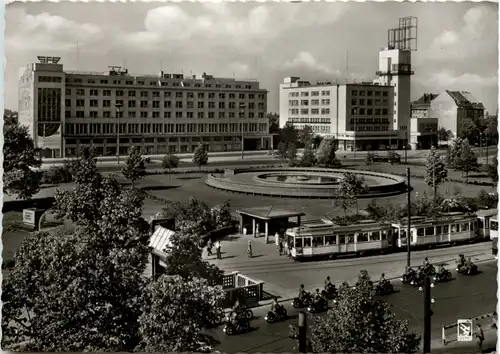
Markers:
point(318, 241)
point(474, 225)
point(363, 237)
point(494, 225)
point(454, 228)
point(403, 234)
point(446, 229)
point(341, 239)
point(384, 235)
point(330, 240)
point(298, 243)
point(465, 227)
point(480, 223)
point(429, 231)
point(350, 238)
point(420, 231)
point(438, 230)
point(307, 242)
point(375, 236)
point(395, 232)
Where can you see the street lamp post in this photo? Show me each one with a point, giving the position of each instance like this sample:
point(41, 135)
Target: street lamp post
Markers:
point(118, 106)
point(408, 231)
point(242, 110)
point(428, 301)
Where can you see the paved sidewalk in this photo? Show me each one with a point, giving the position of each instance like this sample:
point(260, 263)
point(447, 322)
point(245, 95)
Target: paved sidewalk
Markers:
point(282, 275)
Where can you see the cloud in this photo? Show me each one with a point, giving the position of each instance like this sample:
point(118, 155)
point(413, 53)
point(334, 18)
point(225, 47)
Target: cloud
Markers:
point(43, 32)
point(466, 40)
point(446, 80)
point(306, 61)
point(248, 31)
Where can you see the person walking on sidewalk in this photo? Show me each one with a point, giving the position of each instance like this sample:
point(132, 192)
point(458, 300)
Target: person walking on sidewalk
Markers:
point(249, 250)
point(209, 247)
point(277, 240)
point(479, 337)
point(218, 249)
point(281, 248)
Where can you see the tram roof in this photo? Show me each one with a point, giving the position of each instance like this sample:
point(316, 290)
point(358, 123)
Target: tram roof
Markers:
point(270, 212)
point(487, 212)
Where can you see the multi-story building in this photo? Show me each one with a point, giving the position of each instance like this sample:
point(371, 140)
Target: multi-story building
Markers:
point(424, 127)
point(162, 113)
point(358, 115)
point(395, 70)
point(453, 107)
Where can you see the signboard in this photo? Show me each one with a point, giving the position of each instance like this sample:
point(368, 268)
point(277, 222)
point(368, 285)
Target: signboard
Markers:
point(29, 216)
point(464, 330)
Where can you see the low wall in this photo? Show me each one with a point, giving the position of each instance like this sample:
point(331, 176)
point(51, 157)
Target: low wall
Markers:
point(449, 332)
point(293, 191)
point(240, 287)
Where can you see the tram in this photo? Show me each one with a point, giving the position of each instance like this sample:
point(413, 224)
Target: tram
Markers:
point(494, 235)
point(322, 238)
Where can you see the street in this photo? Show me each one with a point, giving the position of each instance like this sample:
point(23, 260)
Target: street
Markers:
point(463, 297)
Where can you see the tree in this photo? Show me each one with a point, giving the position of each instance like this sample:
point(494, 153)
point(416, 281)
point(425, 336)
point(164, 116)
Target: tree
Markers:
point(200, 156)
point(184, 258)
point(288, 133)
point(326, 152)
point(436, 172)
point(469, 130)
point(455, 151)
point(350, 187)
point(493, 171)
point(10, 117)
point(82, 291)
point(291, 153)
point(317, 140)
point(306, 135)
point(274, 122)
point(170, 161)
point(19, 161)
point(466, 161)
point(359, 323)
point(134, 168)
point(281, 151)
point(222, 215)
point(444, 135)
point(174, 322)
point(308, 158)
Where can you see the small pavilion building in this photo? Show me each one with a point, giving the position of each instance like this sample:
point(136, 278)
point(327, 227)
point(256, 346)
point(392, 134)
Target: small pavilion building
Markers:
point(267, 221)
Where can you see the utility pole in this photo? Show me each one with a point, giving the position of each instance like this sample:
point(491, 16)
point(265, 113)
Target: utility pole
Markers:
point(406, 147)
point(428, 300)
point(302, 332)
point(118, 106)
point(408, 231)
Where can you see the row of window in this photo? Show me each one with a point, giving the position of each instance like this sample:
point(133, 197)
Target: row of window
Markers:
point(305, 111)
point(56, 79)
point(369, 121)
point(156, 93)
point(369, 93)
point(156, 114)
point(149, 128)
point(316, 241)
point(295, 103)
point(369, 128)
point(309, 120)
point(306, 93)
point(163, 83)
point(369, 111)
point(156, 104)
point(368, 102)
point(315, 128)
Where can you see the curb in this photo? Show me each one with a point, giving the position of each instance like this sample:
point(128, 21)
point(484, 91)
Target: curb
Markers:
point(264, 303)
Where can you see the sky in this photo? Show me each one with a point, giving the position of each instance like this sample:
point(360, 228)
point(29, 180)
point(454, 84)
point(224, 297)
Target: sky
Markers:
point(268, 41)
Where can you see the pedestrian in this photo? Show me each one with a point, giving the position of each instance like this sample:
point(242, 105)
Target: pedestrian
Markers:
point(218, 249)
point(209, 247)
point(479, 337)
point(277, 240)
point(249, 250)
point(287, 250)
point(281, 248)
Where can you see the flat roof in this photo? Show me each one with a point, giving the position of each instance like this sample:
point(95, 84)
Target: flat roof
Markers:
point(270, 212)
point(488, 212)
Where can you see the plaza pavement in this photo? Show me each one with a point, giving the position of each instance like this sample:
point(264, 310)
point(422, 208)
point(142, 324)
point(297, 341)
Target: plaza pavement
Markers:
point(282, 275)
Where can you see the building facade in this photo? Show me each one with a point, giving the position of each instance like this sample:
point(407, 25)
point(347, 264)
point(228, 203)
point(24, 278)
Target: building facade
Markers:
point(423, 126)
point(160, 113)
point(395, 70)
point(453, 107)
point(358, 115)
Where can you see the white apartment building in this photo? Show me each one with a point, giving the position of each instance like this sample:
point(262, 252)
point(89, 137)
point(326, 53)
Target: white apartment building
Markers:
point(358, 115)
point(66, 110)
